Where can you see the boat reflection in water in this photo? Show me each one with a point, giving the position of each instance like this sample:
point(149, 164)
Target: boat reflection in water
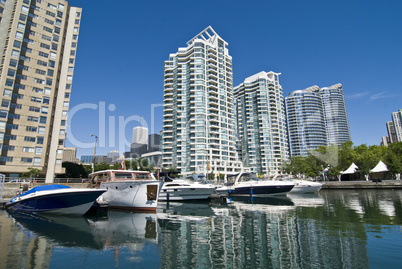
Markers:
point(67, 231)
point(127, 229)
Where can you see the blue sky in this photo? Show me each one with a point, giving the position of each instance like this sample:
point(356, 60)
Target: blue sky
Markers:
point(118, 79)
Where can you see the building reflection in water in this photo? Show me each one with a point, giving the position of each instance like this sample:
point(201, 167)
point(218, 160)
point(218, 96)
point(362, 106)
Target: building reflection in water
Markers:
point(299, 231)
point(287, 232)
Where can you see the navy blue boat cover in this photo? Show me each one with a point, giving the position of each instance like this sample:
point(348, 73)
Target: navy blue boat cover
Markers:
point(44, 188)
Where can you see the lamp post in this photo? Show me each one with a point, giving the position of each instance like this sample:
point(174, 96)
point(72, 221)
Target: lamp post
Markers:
point(93, 160)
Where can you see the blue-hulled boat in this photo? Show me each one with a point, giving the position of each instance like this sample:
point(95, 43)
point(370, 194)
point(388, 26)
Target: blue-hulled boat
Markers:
point(55, 199)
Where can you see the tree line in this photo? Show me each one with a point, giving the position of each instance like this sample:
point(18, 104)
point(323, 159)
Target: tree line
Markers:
point(333, 159)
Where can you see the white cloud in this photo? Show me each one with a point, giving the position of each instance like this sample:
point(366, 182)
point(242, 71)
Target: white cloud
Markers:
point(382, 95)
point(357, 95)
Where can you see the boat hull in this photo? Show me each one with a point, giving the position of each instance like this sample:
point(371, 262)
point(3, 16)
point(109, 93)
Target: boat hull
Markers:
point(132, 195)
point(258, 189)
point(64, 202)
point(185, 193)
point(306, 187)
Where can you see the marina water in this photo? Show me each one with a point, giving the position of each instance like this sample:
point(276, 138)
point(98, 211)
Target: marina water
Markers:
point(330, 229)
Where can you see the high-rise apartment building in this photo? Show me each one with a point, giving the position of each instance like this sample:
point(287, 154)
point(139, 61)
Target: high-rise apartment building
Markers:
point(38, 44)
point(198, 111)
point(305, 121)
point(316, 117)
point(397, 122)
point(261, 122)
point(336, 118)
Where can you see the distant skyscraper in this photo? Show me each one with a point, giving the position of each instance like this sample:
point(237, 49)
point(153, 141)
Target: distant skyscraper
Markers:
point(261, 122)
point(113, 155)
point(198, 112)
point(391, 132)
point(140, 135)
point(38, 44)
point(154, 142)
point(397, 121)
point(140, 141)
point(305, 120)
point(70, 155)
point(336, 118)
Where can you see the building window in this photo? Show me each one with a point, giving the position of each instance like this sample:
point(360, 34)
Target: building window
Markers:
point(15, 53)
point(27, 149)
point(26, 160)
point(38, 151)
point(39, 140)
point(24, 9)
point(43, 119)
point(41, 130)
point(36, 161)
point(5, 103)
point(29, 139)
point(9, 82)
point(11, 72)
point(7, 93)
point(6, 159)
point(33, 119)
point(45, 109)
point(3, 113)
point(17, 44)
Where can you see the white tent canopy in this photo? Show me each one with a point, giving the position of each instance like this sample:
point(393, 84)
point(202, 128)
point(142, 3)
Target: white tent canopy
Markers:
point(351, 170)
point(380, 167)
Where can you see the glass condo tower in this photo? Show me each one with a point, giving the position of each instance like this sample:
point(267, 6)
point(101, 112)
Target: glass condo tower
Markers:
point(198, 113)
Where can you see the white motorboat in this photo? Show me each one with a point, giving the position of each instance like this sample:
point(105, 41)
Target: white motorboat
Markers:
point(250, 184)
point(127, 190)
point(54, 199)
point(301, 185)
point(185, 189)
point(306, 186)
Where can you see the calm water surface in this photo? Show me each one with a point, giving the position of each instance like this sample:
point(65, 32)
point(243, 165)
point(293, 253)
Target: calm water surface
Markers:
point(331, 229)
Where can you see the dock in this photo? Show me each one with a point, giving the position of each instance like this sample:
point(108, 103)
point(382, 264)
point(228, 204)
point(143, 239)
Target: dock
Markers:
point(385, 184)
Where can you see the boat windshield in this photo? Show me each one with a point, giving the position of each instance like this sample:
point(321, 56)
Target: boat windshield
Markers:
point(248, 177)
point(123, 175)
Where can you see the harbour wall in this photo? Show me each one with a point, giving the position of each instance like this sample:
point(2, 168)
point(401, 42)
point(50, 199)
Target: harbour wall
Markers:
point(386, 184)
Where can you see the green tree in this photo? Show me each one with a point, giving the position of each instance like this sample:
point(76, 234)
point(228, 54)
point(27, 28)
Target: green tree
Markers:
point(74, 170)
point(32, 172)
point(393, 158)
point(101, 166)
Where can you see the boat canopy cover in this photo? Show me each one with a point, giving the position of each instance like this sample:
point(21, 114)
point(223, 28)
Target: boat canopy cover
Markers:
point(44, 188)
